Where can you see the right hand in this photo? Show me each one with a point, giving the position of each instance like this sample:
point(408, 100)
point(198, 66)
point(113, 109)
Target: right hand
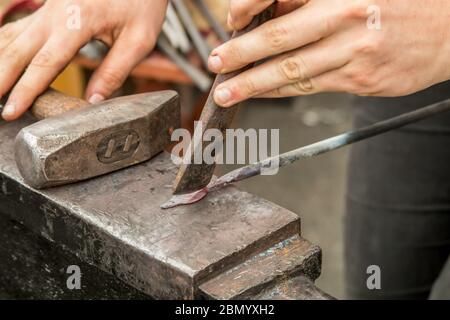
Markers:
point(34, 50)
point(379, 48)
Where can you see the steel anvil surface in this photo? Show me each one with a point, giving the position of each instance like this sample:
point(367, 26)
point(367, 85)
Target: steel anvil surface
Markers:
point(114, 223)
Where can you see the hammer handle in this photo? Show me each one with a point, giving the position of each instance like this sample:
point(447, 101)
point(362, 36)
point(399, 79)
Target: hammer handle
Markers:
point(53, 103)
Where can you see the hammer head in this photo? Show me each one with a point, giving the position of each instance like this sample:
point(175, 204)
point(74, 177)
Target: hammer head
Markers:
point(86, 143)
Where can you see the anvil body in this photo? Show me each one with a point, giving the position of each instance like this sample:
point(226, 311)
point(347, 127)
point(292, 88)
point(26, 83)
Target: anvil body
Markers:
point(231, 245)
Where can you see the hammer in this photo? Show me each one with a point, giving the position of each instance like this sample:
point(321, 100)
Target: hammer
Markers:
point(76, 141)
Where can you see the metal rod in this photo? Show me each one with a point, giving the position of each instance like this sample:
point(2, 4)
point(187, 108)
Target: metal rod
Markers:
point(177, 27)
point(200, 78)
point(340, 141)
point(201, 45)
point(217, 27)
point(310, 151)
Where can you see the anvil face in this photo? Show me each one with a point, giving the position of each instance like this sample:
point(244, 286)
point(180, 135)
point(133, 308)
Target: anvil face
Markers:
point(115, 223)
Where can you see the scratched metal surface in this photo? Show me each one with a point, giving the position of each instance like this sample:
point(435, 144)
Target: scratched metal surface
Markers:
point(33, 268)
point(298, 288)
point(284, 260)
point(115, 223)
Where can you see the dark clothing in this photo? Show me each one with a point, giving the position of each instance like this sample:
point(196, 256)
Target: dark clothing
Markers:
point(398, 202)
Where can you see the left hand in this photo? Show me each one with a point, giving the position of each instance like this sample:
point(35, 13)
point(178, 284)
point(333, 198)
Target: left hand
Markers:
point(376, 48)
point(34, 50)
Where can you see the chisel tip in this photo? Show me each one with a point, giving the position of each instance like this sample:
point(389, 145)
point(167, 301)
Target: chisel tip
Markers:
point(185, 199)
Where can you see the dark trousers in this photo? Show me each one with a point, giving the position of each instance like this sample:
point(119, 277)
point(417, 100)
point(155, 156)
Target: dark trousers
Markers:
point(398, 203)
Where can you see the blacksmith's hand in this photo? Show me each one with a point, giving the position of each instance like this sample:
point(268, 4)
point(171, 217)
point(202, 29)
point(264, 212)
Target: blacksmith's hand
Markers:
point(34, 50)
point(366, 47)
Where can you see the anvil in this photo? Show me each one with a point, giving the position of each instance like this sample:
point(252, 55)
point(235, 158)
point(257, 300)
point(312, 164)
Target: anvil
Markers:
point(232, 245)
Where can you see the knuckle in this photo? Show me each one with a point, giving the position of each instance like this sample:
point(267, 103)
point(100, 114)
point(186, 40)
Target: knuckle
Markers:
point(277, 92)
point(328, 25)
point(7, 32)
point(24, 91)
point(303, 87)
point(10, 54)
point(276, 35)
point(250, 89)
point(363, 81)
point(44, 59)
point(356, 9)
point(370, 45)
point(293, 69)
point(332, 20)
point(143, 44)
point(233, 53)
point(113, 79)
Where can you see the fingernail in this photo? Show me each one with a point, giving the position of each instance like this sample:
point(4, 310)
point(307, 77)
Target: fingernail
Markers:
point(96, 98)
point(222, 96)
point(215, 63)
point(9, 111)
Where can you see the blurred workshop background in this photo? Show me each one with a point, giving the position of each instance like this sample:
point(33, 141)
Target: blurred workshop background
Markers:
point(314, 189)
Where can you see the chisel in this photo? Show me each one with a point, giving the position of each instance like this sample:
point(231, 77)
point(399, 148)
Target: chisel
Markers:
point(192, 176)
